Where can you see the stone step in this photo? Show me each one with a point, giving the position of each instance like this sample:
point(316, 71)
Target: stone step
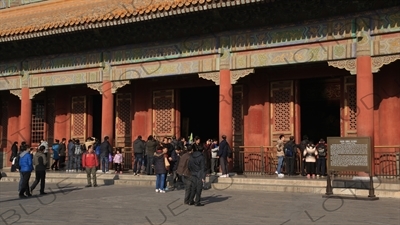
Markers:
point(298, 185)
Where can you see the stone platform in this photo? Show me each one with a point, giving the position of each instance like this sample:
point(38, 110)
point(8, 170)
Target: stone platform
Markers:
point(388, 188)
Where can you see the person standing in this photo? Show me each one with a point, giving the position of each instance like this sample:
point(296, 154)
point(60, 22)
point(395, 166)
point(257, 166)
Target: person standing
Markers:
point(223, 153)
point(118, 161)
point(71, 157)
point(90, 162)
point(46, 149)
point(309, 154)
point(105, 151)
point(302, 146)
point(39, 162)
point(63, 154)
point(138, 149)
point(26, 169)
point(197, 170)
point(183, 171)
point(290, 155)
point(56, 154)
point(321, 158)
point(280, 153)
point(78, 155)
point(214, 157)
point(159, 169)
point(151, 146)
point(14, 154)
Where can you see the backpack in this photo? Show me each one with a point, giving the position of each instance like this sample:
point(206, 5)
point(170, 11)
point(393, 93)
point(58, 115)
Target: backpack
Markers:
point(289, 150)
point(98, 150)
point(321, 150)
point(78, 150)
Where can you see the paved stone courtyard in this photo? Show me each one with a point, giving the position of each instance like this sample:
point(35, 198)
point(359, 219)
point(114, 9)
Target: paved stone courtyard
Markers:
point(73, 204)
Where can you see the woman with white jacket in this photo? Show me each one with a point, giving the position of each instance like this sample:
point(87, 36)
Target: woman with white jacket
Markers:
point(310, 153)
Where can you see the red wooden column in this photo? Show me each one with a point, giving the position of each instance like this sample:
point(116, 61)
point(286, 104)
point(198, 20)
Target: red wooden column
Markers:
point(225, 105)
point(107, 116)
point(24, 132)
point(365, 96)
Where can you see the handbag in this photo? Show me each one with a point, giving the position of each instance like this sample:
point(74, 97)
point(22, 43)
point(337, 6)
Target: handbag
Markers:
point(166, 163)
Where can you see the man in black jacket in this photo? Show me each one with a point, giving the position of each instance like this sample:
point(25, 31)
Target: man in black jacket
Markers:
point(14, 154)
point(138, 149)
point(105, 151)
point(197, 170)
point(63, 154)
point(223, 153)
point(290, 155)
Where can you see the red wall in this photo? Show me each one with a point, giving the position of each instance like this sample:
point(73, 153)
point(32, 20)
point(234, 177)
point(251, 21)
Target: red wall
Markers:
point(387, 105)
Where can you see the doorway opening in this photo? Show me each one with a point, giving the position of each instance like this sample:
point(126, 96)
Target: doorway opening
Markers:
point(320, 108)
point(200, 112)
point(97, 109)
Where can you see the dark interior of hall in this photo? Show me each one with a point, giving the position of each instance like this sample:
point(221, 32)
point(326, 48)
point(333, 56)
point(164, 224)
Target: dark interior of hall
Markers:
point(320, 109)
point(199, 112)
point(97, 108)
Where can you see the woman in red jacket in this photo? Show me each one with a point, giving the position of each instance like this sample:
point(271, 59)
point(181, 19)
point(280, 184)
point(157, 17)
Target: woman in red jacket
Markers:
point(90, 162)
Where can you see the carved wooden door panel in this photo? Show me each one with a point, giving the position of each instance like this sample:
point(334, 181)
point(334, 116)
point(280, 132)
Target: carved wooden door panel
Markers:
point(123, 120)
point(282, 110)
point(163, 113)
point(349, 112)
point(78, 118)
point(237, 123)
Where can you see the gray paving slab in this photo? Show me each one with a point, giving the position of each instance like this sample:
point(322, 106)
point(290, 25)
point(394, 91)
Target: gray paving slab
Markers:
point(119, 205)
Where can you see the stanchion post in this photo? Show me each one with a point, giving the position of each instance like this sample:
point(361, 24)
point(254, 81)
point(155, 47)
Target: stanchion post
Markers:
point(329, 184)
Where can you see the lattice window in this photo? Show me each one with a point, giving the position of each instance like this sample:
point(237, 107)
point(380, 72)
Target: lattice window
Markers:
point(237, 112)
point(124, 116)
point(282, 110)
point(163, 115)
point(38, 121)
point(352, 95)
point(78, 117)
point(51, 119)
point(4, 122)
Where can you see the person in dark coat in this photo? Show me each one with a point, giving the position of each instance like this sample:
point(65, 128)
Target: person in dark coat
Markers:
point(223, 154)
point(14, 154)
point(138, 149)
point(63, 154)
point(183, 171)
point(151, 146)
point(105, 151)
point(159, 168)
point(197, 170)
point(40, 162)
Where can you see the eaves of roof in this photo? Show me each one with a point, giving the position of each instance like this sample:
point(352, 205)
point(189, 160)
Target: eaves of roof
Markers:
point(63, 16)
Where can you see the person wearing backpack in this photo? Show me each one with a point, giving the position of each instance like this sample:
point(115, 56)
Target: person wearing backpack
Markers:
point(78, 155)
point(310, 154)
point(302, 146)
point(321, 158)
point(290, 154)
point(56, 155)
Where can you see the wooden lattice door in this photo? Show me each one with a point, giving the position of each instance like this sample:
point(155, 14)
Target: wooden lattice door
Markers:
point(123, 120)
point(282, 110)
point(50, 120)
point(163, 113)
point(349, 113)
point(78, 118)
point(237, 124)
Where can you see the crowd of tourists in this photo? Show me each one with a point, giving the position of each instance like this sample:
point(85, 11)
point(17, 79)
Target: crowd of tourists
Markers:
point(312, 157)
point(176, 163)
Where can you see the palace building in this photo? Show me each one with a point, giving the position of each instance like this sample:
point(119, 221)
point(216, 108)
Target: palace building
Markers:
point(249, 69)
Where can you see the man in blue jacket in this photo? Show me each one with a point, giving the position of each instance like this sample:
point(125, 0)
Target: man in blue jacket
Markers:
point(25, 162)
